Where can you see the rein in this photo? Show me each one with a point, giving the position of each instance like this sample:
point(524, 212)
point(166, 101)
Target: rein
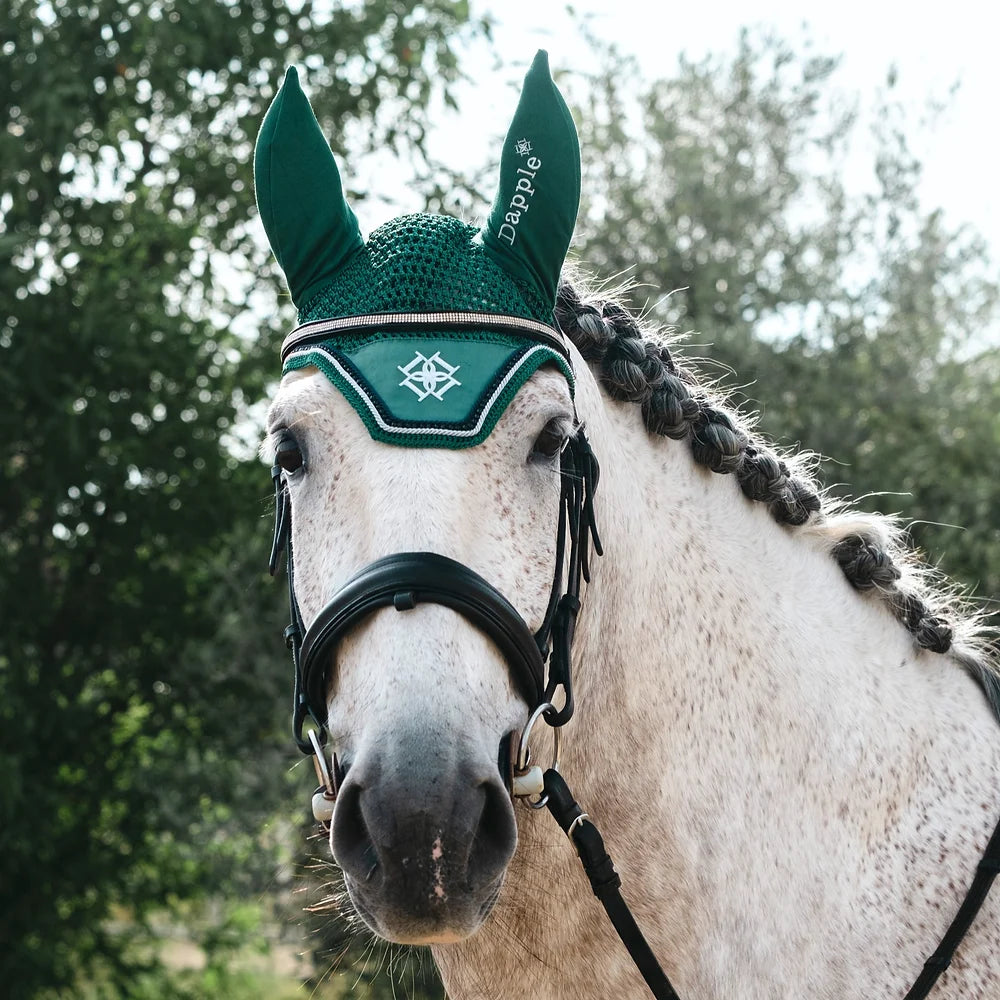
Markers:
point(406, 579)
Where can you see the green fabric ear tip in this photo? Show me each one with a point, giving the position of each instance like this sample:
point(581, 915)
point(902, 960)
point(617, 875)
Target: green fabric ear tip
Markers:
point(300, 196)
point(534, 213)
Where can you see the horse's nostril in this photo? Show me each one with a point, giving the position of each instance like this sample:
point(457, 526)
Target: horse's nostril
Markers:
point(505, 760)
point(495, 837)
point(433, 836)
point(352, 844)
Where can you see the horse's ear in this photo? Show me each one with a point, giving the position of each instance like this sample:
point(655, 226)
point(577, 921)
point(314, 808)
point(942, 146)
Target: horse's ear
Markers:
point(532, 218)
point(308, 222)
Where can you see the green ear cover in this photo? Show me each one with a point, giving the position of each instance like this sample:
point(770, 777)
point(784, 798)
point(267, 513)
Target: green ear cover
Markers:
point(532, 219)
point(308, 222)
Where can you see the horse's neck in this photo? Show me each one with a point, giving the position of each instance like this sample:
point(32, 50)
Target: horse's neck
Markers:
point(774, 766)
point(726, 637)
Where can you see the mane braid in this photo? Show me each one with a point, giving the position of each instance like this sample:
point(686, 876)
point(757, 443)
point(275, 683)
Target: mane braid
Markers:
point(634, 365)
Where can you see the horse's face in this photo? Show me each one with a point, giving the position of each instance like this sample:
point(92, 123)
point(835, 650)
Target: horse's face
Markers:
point(420, 702)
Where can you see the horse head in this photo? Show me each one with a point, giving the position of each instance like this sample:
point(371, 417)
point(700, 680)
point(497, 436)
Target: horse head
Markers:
point(425, 431)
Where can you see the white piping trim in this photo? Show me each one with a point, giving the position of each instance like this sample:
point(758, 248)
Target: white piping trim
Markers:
point(443, 431)
point(487, 321)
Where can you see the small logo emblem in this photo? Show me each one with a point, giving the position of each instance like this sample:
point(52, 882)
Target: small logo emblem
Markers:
point(431, 376)
point(522, 147)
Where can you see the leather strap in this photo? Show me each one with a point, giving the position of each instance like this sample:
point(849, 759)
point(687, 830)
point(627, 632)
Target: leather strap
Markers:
point(403, 581)
point(986, 872)
point(605, 881)
point(326, 329)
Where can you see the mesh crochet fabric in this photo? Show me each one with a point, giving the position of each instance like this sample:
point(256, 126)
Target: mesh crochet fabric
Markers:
point(422, 263)
point(440, 387)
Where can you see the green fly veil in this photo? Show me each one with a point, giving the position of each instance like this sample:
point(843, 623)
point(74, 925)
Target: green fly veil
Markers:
point(430, 328)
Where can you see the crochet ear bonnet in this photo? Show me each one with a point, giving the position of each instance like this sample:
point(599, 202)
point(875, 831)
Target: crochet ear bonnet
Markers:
point(430, 328)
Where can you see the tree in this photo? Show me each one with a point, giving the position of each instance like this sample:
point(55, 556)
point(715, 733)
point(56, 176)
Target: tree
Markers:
point(853, 322)
point(139, 746)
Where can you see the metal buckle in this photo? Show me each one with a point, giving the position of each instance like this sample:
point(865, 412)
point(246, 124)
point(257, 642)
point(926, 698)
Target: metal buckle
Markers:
point(528, 778)
point(326, 795)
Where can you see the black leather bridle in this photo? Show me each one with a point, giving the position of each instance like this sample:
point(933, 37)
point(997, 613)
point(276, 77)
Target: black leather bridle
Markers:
point(406, 579)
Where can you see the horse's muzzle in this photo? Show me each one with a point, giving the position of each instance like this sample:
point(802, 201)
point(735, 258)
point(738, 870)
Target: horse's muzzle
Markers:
point(423, 847)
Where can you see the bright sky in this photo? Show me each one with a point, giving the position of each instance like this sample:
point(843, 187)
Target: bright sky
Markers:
point(933, 47)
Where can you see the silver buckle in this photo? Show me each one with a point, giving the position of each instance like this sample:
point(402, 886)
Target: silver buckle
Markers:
point(528, 778)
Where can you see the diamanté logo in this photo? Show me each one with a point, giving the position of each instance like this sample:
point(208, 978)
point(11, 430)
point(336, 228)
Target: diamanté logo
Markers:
point(431, 376)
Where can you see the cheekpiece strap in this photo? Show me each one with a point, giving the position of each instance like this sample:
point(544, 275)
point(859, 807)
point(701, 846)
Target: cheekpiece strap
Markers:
point(295, 630)
point(578, 527)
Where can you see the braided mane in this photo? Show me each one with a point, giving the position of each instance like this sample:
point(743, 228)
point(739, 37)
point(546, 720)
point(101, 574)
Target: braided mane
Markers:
point(635, 364)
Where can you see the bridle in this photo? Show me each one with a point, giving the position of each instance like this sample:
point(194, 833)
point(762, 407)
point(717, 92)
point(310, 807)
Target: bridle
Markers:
point(406, 579)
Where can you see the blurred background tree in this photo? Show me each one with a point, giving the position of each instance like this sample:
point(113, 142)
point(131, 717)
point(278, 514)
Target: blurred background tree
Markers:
point(854, 324)
point(145, 769)
point(143, 743)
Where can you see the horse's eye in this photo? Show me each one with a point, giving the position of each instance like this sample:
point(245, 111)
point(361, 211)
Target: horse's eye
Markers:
point(288, 454)
point(550, 442)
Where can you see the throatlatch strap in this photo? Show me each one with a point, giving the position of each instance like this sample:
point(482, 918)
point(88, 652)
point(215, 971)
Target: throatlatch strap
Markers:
point(605, 881)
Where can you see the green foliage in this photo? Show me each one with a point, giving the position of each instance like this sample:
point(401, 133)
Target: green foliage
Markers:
point(853, 322)
point(708, 189)
point(142, 692)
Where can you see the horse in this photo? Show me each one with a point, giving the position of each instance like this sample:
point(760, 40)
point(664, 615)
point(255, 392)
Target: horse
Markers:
point(785, 728)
